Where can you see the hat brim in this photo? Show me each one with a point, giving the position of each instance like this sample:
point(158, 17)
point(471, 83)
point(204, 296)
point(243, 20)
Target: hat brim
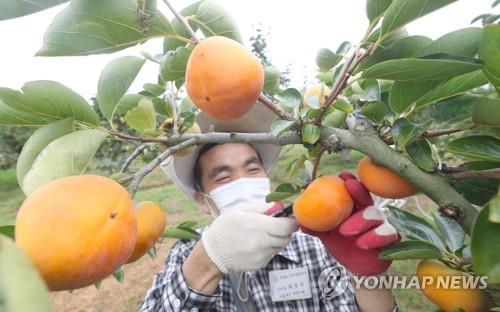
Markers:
point(259, 119)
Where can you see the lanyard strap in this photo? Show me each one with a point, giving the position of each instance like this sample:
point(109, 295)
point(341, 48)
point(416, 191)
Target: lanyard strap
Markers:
point(240, 285)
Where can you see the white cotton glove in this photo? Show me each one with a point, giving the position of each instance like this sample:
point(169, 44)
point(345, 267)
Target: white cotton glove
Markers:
point(244, 239)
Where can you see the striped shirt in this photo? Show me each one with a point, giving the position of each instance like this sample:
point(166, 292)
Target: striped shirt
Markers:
point(169, 291)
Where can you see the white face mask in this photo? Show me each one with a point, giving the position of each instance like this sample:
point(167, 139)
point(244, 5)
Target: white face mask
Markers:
point(243, 190)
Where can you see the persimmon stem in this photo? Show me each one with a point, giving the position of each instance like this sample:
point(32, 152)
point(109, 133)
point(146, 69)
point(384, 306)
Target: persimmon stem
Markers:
point(183, 21)
point(274, 108)
point(316, 163)
point(175, 113)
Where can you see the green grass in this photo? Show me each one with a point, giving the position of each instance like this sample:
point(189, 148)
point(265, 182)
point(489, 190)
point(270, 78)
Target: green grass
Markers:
point(180, 208)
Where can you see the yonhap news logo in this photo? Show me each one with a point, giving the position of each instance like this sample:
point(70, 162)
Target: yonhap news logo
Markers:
point(459, 281)
point(334, 280)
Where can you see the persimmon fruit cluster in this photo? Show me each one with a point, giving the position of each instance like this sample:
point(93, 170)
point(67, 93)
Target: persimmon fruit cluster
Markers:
point(77, 230)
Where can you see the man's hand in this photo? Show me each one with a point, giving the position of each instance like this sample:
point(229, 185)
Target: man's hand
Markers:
point(244, 239)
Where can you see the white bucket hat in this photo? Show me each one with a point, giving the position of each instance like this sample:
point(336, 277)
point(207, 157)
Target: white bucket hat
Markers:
point(180, 169)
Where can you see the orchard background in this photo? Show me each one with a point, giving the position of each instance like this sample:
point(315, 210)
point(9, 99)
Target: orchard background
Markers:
point(434, 101)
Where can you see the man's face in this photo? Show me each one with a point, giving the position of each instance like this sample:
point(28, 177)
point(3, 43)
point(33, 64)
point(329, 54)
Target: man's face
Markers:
point(225, 163)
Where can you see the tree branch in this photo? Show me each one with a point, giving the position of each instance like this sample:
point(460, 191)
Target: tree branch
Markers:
point(351, 63)
point(468, 174)
point(139, 175)
point(362, 138)
point(136, 138)
point(440, 132)
point(150, 57)
point(183, 21)
point(286, 138)
point(273, 107)
point(434, 133)
point(180, 142)
point(133, 156)
point(366, 140)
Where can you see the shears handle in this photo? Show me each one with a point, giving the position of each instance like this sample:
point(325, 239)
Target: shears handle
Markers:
point(278, 210)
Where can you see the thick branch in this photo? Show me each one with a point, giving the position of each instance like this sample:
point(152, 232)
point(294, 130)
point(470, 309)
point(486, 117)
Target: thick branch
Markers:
point(138, 151)
point(234, 137)
point(362, 138)
point(183, 21)
point(489, 173)
point(434, 186)
point(273, 107)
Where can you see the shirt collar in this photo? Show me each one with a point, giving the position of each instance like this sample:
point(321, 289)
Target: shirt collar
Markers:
point(290, 252)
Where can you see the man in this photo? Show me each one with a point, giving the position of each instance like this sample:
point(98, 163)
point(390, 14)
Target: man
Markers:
point(246, 260)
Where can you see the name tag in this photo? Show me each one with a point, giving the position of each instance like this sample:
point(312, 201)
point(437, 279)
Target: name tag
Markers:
point(292, 284)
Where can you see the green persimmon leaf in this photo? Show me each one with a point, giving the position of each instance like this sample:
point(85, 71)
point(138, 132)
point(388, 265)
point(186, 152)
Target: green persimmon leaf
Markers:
point(487, 112)
point(420, 69)
point(114, 81)
point(49, 101)
point(65, 156)
point(23, 288)
point(455, 86)
point(479, 147)
point(18, 8)
point(489, 52)
point(142, 117)
point(88, 27)
point(326, 59)
point(461, 42)
point(173, 65)
point(401, 12)
point(271, 80)
point(375, 8)
point(213, 20)
point(37, 142)
point(485, 249)
point(410, 249)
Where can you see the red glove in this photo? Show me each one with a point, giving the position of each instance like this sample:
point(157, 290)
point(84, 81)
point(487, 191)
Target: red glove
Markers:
point(356, 243)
